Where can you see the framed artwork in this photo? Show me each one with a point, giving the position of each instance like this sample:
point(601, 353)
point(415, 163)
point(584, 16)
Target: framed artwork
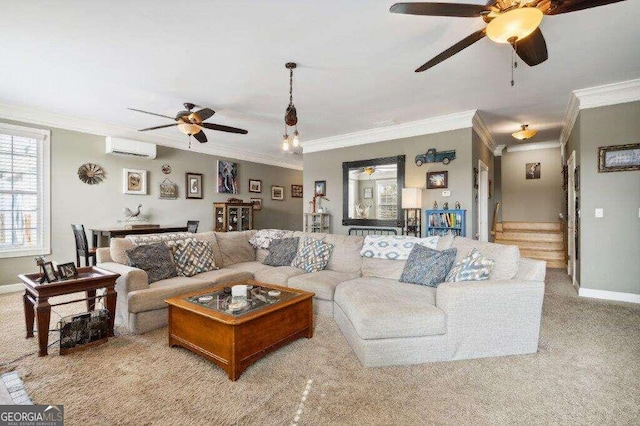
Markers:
point(475, 178)
point(320, 187)
point(193, 185)
point(49, 272)
point(576, 178)
point(296, 191)
point(227, 177)
point(255, 185)
point(490, 191)
point(368, 193)
point(533, 170)
point(134, 182)
point(277, 192)
point(257, 203)
point(619, 158)
point(67, 270)
point(438, 180)
point(168, 190)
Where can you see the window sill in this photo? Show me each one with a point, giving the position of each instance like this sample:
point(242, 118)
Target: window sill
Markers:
point(9, 254)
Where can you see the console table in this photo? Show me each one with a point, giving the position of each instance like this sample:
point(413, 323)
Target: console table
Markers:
point(36, 298)
point(121, 232)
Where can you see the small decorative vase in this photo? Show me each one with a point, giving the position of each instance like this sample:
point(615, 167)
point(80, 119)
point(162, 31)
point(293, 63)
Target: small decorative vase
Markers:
point(435, 205)
point(445, 206)
point(457, 205)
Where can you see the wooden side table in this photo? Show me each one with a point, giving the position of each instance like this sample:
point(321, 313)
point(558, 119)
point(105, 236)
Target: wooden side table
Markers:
point(36, 298)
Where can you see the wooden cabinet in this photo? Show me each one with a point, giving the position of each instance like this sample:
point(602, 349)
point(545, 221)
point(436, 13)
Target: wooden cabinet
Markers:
point(440, 222)
point(232, 217)
point(317, 222)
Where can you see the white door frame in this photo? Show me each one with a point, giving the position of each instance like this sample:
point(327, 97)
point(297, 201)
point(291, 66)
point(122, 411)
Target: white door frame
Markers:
point(571, 218)
point(483, 201)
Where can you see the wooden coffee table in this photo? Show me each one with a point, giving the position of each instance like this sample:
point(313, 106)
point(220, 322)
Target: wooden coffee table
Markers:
point(234, 341)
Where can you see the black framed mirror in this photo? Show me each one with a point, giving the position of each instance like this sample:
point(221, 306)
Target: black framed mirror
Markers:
point(372, 192)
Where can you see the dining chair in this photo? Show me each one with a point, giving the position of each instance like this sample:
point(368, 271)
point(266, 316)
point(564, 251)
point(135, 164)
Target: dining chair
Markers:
point(192, 226)
point(82, 247)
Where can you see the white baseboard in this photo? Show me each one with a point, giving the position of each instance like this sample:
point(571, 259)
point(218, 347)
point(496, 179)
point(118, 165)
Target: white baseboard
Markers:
point(609, 295)
point(11, 288)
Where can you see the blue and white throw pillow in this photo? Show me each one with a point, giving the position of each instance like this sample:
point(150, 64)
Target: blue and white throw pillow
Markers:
point(473, 267)
point(313, 255)
point(394, 247)
point(428, 267)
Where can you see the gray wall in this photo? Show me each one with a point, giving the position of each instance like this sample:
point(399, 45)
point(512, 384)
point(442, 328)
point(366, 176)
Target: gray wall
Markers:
point(532, 200)
point(327, 165)
point(609, 246)
point(101, 205)
point(481, 152)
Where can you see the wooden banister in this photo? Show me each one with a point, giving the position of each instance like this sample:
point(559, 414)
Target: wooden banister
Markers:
point(495, 219)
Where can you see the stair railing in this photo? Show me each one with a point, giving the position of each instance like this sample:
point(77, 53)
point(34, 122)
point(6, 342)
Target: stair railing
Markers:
point(495, 218)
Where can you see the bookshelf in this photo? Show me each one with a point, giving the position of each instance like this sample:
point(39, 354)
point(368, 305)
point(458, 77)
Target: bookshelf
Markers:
point(439, 222)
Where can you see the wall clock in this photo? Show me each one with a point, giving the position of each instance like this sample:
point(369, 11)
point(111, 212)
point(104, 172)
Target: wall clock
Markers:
point(91, 174)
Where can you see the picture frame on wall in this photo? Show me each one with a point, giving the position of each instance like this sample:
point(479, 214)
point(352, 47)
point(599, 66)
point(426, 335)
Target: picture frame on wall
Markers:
point(168, 190)
point(134, 182)
point(296, 191)
point(368, 193)
point(277, 192)
point(193, 186)
point(255, 185)
point(532, 170)
point(438, 180)
point(227, 177)
point(257, 203)
point(619, 158)
point(320, 187)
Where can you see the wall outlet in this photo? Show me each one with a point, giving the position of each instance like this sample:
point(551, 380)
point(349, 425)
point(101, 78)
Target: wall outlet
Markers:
point(446, 193)
point(599, 212)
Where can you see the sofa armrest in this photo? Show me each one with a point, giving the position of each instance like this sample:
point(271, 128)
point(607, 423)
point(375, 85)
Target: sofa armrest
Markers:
point(131, 279)
point(531, 270)
point(103, 255)
point(491, 318)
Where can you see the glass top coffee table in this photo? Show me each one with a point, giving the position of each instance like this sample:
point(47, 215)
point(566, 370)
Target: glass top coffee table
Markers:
point(234, 332)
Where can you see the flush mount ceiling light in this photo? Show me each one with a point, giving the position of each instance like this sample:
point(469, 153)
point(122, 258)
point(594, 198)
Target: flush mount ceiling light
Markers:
point(524, 133)
point(291, 115)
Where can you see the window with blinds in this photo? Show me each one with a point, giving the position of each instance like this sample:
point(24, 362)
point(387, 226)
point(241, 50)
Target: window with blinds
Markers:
point(387, 207)
point(24, 193)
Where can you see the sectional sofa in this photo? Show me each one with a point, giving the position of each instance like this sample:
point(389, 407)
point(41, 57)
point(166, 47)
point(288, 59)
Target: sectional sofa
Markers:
point(385, 321)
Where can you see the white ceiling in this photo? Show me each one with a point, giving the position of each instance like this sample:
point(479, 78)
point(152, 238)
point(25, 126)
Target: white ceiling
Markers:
point(356, 60)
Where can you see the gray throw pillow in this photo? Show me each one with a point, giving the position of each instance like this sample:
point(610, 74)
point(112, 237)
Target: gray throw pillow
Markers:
point(282, 252)
point(155, 259)
point(428, 267)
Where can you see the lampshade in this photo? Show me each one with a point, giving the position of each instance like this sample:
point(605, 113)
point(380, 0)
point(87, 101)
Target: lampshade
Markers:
point(189, 129)
point(411, 198)
point(514, 25)
point(525, 133)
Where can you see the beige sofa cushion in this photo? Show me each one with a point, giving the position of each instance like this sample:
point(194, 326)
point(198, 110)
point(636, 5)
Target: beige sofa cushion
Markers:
point(387, 309)
point(278, 275)
point(506, 257)
point(346, 253)
point(250, 267)
point(117, 249)
point(322, 283)
point(235, 247)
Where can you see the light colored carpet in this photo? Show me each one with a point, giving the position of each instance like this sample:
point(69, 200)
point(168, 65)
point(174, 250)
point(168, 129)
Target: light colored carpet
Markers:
point(587, 371)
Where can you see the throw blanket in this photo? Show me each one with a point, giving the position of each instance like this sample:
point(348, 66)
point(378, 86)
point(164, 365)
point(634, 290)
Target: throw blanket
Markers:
point(394, 247)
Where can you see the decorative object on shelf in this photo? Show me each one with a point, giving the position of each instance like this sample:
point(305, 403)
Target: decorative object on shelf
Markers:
point(131, 215)
point(524, 133)
point(433, 156)
point(168, 190)
point(134, 181)
point(255, 185)
point(91, 174)
point(67, 270)
point(291, 116)
point(227, 177)
point(194, 185)
point(445, 206)
point(576, 178)
point(277, 192)
point(457, 205)
point(435, 205)
point(438, 180)
point(234, 200)
point(619, 158)
point(296, 191)
point(48, 273)
point(317, 202)
point(368, 193)
point(412, 206)
point(441, 222)
point(257, 203)
point(232, 216)
point(533, 170)
point(40, 262)
point(475, 178)
point(320, 187)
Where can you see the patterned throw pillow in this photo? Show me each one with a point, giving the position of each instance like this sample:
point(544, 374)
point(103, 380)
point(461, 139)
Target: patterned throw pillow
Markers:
point(313, 255)
point(394, 247)
point(282, 252)
point(264, 237)
point(193, 257)
point(474, 267)
point(428, 267)
point(154, 259)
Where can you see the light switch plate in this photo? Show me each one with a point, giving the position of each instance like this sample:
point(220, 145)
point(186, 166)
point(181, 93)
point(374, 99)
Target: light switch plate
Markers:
point(446, 193)
point(599, 212)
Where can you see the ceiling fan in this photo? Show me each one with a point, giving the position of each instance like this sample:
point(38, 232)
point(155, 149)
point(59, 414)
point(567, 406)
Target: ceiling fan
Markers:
point(508, 21)
point(192, 123)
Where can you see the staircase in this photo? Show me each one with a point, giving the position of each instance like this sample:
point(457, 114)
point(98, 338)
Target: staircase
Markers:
point(536, 240)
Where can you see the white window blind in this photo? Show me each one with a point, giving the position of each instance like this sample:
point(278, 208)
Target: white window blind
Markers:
point(24, 191)
point(387, 199)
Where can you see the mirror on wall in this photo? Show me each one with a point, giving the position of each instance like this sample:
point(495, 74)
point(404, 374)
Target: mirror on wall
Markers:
point(372, 192)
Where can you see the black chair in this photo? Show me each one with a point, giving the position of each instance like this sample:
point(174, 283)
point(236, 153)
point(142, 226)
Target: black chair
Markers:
point(192, 226)
point(82, 247)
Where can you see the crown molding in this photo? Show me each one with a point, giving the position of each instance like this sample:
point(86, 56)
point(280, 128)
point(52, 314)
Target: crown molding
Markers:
point(483, 132)
point(443, 123)
point(44, 118)
point(498, 151)
point(533, 146)
point(569, 118)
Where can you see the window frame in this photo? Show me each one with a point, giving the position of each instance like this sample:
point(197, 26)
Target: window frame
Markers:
point(382, 183)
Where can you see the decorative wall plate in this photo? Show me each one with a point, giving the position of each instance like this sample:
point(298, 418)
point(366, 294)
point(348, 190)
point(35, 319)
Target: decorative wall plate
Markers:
point(91, 174)
point(166, 169)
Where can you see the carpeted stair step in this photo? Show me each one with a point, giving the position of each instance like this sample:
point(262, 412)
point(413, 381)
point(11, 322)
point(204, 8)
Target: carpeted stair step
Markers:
point(531, 226)
point(534, 245)
point(526, 235)
point(542, 255)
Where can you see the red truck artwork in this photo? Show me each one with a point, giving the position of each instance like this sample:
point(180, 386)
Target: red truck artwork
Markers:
point(433, 156)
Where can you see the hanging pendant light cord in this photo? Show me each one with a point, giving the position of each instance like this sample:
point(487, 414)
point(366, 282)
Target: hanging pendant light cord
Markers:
point(514, 62)
point(290, 86)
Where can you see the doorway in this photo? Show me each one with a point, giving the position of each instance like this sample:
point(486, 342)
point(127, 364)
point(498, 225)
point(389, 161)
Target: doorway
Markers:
point(571, 219)
point(483, 202)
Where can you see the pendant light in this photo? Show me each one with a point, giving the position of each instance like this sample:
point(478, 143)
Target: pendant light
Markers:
point(290, 116)
point(525, 133)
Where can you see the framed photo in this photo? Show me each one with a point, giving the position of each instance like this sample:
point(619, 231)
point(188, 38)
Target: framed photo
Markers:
point(619, 158)
point(67, 270)
point(277, 192)
point(296, 191)
point(194, 185)
point(475, 178)
point(438, 180)
point(320, 187)
point(257, 203)
point(168, 190)
point(368, 193)
point(533, 170)
point(227, 177)
point(49, 272)
point(255, 185)
point(134, 182)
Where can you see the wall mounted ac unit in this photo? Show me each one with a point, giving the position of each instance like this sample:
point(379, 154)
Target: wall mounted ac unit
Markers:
point(119, 146)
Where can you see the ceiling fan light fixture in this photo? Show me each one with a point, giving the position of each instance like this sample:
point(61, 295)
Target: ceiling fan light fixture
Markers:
point(524, 133)
point(370, 170)
point(189, 128)
point(514, 25)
